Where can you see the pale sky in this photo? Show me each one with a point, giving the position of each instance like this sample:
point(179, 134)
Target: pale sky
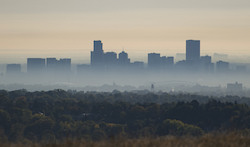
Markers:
point(67, 28)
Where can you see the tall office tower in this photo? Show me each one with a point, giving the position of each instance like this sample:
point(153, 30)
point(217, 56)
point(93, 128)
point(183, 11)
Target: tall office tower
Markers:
point(64, 65)
point(36, 65)
point(154, 60)
point(193, 51)
point(123, 58)
point(97, 55)
point(166, 62)
point(60, 66)
point(13, 69)
point(98, 46)
point(110, 58)
point(52, 64)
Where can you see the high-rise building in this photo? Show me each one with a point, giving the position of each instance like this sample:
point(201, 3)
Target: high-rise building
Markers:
point(167, 62)
point(110, 58)
point(35, 65)
point(64, 65)
point(98, 46)
point(154, 60)
point(13, 69)
point(193, 51)
point(52, 64)
point(123, 59)
point(97, 55)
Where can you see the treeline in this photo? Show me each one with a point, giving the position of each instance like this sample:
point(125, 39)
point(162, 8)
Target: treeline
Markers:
point(56, 115)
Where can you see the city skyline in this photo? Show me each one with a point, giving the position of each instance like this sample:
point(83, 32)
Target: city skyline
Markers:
point(124, 72)
point(86, 57)
point(101, 61)
point(117, 67)
point(62, 28)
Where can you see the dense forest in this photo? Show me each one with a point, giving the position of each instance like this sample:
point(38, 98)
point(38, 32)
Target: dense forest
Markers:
point(55, 115)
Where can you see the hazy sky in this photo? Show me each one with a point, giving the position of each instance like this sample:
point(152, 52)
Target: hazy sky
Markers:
point(67, 28)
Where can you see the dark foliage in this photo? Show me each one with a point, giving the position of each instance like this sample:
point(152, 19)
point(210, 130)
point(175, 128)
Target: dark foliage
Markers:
point(58, 114)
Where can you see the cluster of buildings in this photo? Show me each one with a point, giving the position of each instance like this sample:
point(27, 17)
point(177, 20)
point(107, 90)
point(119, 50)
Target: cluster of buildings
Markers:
point(107, 61)
point(42, 65)
point(194, 61)
point(101, 60)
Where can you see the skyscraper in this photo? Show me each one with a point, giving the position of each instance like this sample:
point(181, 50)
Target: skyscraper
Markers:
point(193, 51)
point(123, 58)
point(154, 60)
point(98, 46)
point(64, 65)
point(35, 65)
point(110, 58)
point(97, 55)
point(51, 64)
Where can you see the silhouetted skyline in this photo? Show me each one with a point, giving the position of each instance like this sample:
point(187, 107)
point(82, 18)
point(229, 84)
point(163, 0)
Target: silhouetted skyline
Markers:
point(107, 67)
point(113, 62)
point(65, 28)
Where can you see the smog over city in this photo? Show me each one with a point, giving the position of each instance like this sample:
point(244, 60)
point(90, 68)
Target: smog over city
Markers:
point(108, 71)
point(124, 73)
point(141, 44)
